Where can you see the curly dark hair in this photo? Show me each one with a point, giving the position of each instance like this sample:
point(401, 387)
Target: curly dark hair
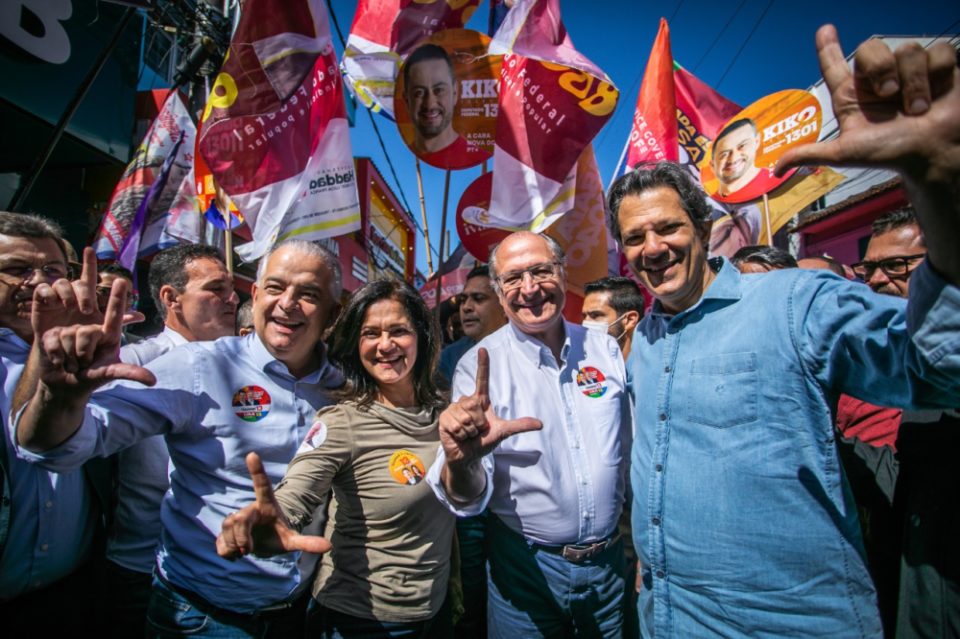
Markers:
point(651, 176)
point(345, 343)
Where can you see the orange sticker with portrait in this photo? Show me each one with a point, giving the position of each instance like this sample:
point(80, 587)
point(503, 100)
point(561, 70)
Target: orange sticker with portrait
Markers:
point(739, 163)
point(406, 468)
point(446, 99)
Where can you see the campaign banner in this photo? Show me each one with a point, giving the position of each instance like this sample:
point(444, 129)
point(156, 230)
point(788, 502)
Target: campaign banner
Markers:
point(171, 215)
point(653, 136)
point(701, 113)
point(383, 33)
point(552, 103)
point(446, 99)
point(740, 162)
point(453, 277)
point(274, 132)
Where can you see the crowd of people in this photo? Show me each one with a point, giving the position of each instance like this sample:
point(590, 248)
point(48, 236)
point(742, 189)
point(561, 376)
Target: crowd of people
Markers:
point(764, 452)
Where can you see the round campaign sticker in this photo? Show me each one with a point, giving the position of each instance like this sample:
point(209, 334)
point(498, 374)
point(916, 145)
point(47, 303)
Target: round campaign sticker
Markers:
point(406, 468)
point(591, 382)
point(251, 403)
point(738, 166)
point(473, 206)
point(446, 99)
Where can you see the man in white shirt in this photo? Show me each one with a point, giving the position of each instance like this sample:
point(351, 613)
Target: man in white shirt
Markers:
point(194, 293)
point(555, 489)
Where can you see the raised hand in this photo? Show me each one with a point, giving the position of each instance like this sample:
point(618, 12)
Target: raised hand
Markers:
point(898, 109)
point(469, 428)
point(260, 528)
point(81, 357)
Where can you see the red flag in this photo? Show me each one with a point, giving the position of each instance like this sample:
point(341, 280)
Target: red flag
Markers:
point(653, 137)
point(275, 133)
point(701, 113)
point(552, 103)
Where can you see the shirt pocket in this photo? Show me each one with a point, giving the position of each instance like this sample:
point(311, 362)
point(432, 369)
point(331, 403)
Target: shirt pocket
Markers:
point(724, 390)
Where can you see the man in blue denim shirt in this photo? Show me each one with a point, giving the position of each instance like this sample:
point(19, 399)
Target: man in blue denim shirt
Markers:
point(742, 517)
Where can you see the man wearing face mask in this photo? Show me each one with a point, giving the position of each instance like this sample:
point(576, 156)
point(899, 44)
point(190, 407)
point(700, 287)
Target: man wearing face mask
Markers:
point(614, 305)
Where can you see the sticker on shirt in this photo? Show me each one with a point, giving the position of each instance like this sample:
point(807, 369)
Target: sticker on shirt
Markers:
point(406, 468)
point(251, 403)
point(591, 382)
point(315, 437)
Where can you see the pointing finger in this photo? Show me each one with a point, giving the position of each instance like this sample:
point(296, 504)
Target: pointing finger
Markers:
point(86, 290)
point(483, 377)
point(113, 317)
point(261, 483)
point(833, 64)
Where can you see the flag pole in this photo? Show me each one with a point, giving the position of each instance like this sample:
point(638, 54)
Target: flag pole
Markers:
point(443, 231)
point(423, 216)
point(623, 155)
point(766, 215)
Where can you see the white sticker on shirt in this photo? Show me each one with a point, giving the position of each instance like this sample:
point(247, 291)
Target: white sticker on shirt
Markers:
point(315, 438)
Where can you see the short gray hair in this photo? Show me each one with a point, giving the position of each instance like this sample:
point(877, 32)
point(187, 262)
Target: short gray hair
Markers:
point(559, 256)
point(312, 249)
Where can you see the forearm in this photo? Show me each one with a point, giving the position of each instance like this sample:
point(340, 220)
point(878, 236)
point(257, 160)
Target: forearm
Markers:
point(934, 192)
point(464, 482)
point(48, 419)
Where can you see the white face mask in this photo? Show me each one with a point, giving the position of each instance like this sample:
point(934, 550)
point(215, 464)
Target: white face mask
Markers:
point(604, 327)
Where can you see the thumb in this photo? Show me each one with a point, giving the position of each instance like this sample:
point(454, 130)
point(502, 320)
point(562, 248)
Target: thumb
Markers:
point(307, 543)
point(512, 427)
point(815, 154)
point(120, 370)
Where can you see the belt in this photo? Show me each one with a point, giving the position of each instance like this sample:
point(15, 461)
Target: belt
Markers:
point(574, 553)
point(577, 553)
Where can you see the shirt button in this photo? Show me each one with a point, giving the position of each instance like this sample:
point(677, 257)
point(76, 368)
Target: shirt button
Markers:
point(663, 417)
point(655, 521)
point(660, 574)
point(44, 547)
point(48, 505)
point(666, 369)
point(658, 468)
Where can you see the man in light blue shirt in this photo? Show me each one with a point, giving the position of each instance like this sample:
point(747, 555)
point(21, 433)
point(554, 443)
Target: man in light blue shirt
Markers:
point(742, 517)
point(48, 520)
point(215, 402)
point(554, 494)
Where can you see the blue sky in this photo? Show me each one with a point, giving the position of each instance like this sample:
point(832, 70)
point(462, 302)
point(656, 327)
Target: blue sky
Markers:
point(726, 44)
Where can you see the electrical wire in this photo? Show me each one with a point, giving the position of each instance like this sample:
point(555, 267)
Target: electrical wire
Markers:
point(719, 35)
point(744, 43)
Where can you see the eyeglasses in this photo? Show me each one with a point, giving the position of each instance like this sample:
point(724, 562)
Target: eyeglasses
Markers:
point(539, 273)
point(891, 267)
point(23, 272)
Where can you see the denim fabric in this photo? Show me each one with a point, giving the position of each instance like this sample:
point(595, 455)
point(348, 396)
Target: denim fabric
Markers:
point(535, 593)
point(171, 614)
point(742, 518)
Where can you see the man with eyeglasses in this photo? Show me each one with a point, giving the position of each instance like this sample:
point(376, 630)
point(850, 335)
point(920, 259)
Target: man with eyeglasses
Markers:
point(900, 464)
point(896, 248)
point(554, 491)
point(51, 524)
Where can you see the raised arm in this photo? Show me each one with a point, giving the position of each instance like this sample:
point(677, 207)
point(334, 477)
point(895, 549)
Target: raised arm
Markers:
point(66, 365)
point(469, 430)
point(898, 110)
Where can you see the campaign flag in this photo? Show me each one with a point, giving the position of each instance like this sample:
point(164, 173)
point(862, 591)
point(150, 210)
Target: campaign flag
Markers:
point(552, 103)
point(383, 33)
point(171, 214)
point(701, 114)
point(274, 132)
point(453, 277)
point(653, 137)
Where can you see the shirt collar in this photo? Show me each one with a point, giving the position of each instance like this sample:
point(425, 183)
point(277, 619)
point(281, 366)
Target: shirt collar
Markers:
point(266, 362)
point(725, 286)
point(535, 351)
point(175, 338)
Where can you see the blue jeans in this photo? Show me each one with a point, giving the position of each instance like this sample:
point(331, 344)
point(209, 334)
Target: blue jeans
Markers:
point(172, 614)
point(330, 624)
point(535, 593)
point(472, 537)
